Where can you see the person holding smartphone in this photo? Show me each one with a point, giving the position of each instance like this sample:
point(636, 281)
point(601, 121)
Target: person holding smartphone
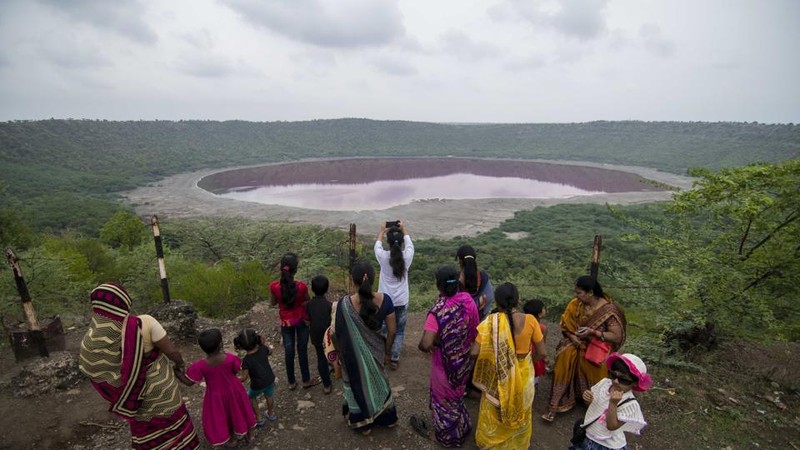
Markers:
point(394, 264)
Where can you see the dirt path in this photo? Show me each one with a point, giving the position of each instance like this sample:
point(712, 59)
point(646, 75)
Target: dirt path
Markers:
point(756, 384)
point(178, 196)
point(78, 418)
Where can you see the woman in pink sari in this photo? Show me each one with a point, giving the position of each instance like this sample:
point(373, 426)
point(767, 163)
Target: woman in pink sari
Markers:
point(450, 329)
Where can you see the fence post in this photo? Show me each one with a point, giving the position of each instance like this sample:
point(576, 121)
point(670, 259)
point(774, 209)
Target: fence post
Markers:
point(162, 269)
point(36, 334)
point(598, 242)
point(352, 256)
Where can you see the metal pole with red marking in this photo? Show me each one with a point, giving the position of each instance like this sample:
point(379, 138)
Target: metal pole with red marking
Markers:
point(162, 269)
point(36, 334)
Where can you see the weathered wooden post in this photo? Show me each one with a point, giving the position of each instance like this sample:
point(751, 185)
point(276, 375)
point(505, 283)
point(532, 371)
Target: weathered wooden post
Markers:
point(35, 331)
point(162, 269)
point(598, 241)
point(352, 255)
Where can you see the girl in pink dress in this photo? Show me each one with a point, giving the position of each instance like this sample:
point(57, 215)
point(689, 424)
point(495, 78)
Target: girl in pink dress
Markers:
point(227, 414)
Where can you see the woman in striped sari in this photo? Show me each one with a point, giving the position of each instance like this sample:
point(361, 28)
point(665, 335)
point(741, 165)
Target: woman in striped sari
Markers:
point(125, 357)
point(364, 352)
point(450, 329)
point(590, 315)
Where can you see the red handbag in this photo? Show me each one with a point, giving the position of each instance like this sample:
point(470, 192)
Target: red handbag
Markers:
point(597, 351)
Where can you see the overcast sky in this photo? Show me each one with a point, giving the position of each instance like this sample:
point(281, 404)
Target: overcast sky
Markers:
point(426, 60)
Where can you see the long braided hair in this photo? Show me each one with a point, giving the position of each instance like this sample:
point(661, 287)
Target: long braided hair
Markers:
point(395, 239)
point(288, 287)
point(363, 275)
point(507, 298)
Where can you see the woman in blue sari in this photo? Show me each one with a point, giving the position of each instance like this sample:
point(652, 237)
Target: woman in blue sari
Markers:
point(364, 352)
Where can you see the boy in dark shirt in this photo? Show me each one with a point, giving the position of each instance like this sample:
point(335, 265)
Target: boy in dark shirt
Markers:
point(319, 313)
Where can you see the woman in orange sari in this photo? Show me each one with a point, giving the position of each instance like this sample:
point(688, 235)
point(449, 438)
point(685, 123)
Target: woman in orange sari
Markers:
point(590, 315)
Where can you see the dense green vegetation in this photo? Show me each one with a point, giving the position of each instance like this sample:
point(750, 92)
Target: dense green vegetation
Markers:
point(724, 256)
point(65, 172)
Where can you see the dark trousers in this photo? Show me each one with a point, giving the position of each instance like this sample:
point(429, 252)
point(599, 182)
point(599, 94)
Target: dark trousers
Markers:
point(322, 364)
point(296, 336)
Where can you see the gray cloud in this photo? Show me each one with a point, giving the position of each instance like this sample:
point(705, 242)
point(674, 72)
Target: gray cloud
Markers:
point(580, 19)
point(67, 53)
point(343, 24)
point(199, 39)
point(393, 66)
point(124, 18)
point(205, 66)
point(654, 42)
point(527, 63)
point(461, 45)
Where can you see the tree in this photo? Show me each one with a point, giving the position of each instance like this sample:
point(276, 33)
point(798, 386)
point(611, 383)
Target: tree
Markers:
point(123, 230)
point(730, 254)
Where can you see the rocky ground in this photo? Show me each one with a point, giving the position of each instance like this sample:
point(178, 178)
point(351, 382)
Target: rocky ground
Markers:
point(74, 416)
point(746, 398)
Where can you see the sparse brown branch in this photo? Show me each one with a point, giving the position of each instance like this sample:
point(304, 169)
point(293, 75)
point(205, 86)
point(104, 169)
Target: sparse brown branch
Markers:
point(789, 219)
point(744, 237)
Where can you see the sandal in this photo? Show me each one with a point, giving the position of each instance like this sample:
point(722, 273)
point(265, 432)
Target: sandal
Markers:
point(420, 427)
point(312, 382)
point(327, 390)
point(292, 386)
point(549, 416)
point(393, 364)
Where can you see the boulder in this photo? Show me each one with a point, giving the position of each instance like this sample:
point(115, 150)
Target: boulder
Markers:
point(178, 318)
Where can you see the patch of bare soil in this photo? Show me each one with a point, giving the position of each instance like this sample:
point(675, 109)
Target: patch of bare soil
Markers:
point(747, 399)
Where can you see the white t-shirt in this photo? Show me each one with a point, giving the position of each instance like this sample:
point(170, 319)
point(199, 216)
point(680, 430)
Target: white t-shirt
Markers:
point(387, 282)
point(630, 413)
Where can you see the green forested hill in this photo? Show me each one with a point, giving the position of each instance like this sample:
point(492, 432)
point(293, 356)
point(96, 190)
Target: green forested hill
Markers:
point(74, 159)
point(158, 148)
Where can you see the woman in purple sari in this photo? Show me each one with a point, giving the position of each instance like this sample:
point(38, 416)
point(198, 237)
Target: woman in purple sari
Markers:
point(450, 329)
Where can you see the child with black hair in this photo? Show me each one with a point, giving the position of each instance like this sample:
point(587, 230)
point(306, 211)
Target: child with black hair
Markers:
point(537, 309)
point(319, 313)
point(613, 409)
point(227, 415)
point(256, 368)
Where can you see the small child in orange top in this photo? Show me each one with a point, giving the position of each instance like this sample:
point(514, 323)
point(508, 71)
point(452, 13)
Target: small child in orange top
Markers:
point(537, 309)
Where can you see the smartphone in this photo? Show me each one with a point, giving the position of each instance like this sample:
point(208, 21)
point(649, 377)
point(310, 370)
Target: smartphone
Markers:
point(393, 223)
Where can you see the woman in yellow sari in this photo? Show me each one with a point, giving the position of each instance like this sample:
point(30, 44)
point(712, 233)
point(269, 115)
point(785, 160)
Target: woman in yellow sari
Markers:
point(590, 315)
point(504, 373)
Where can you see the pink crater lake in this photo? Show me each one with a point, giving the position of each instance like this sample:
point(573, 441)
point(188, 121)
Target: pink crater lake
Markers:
point(357, 184)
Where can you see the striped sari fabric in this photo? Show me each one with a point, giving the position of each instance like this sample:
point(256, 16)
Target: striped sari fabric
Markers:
point(140, 387)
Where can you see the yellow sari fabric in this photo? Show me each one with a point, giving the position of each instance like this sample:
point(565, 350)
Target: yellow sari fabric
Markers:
point(572, 373)
point(504, 418)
